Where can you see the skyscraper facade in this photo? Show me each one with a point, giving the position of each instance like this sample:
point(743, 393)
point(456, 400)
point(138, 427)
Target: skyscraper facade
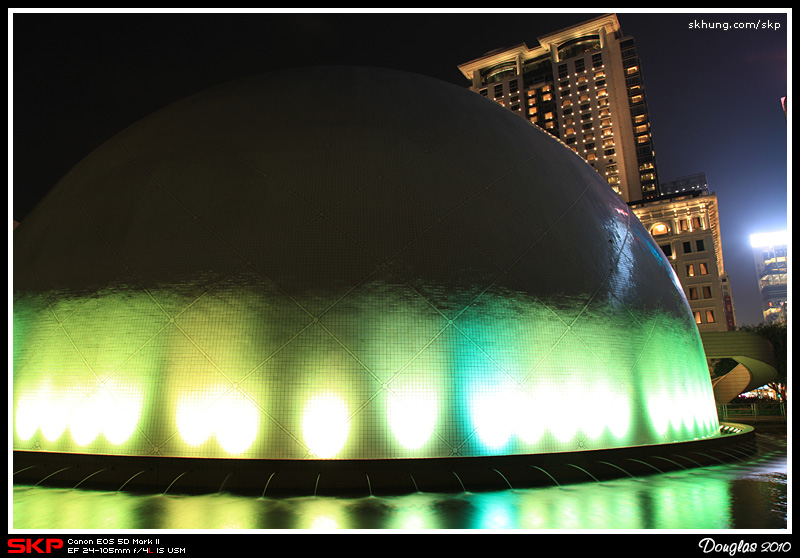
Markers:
point(770, 251)
point(584, 85)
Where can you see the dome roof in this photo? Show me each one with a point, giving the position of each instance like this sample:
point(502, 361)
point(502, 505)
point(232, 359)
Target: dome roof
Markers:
point(345, 263)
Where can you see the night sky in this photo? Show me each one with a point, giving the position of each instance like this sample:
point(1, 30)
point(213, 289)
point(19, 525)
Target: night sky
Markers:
point(714, 95)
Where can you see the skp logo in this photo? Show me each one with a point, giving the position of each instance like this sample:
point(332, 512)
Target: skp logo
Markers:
point(29, 546)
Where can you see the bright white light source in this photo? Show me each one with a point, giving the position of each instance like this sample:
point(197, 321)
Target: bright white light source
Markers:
point(777, 238)
point(325, 424)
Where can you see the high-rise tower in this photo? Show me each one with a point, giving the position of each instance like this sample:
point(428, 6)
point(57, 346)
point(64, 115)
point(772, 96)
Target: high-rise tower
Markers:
point(770, 254)
point(584, 85)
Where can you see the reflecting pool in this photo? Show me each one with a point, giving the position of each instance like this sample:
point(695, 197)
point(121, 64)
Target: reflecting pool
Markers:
point(748, 494)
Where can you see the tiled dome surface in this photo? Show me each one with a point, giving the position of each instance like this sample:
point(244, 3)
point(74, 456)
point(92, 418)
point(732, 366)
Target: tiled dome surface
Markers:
point(345, 263)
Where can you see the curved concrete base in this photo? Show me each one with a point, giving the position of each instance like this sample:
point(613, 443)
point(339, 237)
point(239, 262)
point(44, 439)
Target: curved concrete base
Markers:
point(370, 477)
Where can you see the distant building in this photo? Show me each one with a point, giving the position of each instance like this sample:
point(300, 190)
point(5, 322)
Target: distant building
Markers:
point(584, 85)
point(770, 251)
point(686, 227)
point(690, 183)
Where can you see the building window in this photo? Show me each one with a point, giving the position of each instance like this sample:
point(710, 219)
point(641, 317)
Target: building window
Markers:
point(703, 268)
point(689, 270)
point(687, 247)
point(697, 318)
point(562, 71)
point(693, 293)
point(580, 65)
point(707, 291)
point(667, 249)
point(701, 247)
point(695, 222)
point(710, 316)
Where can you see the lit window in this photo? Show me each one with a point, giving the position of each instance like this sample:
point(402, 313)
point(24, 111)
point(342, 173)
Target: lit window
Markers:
point(706, 291)
point(710, 316)
point(697, 318)
point(690, 270)
point(632, 70)
point(659, 229)
point(703, 268)
point(693, 293)
point(636, 99)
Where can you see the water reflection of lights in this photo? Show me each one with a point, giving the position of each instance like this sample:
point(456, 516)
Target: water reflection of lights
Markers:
point(715, 497)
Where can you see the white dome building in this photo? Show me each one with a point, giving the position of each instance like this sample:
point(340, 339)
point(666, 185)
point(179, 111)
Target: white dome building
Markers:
point(345, 264)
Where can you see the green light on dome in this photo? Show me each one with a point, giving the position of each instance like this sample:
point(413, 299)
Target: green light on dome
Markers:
point(506, 379)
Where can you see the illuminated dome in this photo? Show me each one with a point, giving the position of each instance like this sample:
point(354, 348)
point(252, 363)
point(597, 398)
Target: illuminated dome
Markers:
point(345, 264)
